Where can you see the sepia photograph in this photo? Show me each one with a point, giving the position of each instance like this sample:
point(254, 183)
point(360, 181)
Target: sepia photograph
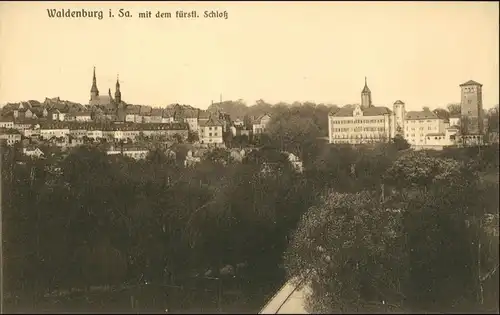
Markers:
point(253, 157)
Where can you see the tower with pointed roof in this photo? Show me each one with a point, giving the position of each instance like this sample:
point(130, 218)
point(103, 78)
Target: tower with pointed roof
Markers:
point(471, 102)
point(94, 92)
point(118, 93)
point(366, 96)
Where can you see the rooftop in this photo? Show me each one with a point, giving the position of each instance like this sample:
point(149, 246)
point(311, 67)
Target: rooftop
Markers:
point(417, 115)
point(368, 111)
point(471, 82)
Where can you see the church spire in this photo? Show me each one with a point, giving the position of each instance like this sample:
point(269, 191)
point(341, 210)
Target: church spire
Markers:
point(366, 89)
point(93, 90)
point(118, 93)
point(366, 96)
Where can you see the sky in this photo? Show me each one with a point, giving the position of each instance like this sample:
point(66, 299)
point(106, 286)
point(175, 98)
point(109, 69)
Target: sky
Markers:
point(276, 51)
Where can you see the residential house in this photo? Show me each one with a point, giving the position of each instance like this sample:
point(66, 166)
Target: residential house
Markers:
point(132, 113)
point(168, 115)
point(11, 136)
point(134, 152)
point(54, 114)
point(203, 116)
point(33, 152)
point(83, 116)
point(238, 122)
point(145, 113)
point(49, 131)
point(211, 132)
point(420, 123)
point(156, 115)
point(23, 124)
point(260, 124)
point(7, 123)
point(78, 132)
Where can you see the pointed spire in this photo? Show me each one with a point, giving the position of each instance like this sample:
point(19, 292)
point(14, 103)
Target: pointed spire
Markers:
point(366, 89)
point(93, 89)
point(118, 93)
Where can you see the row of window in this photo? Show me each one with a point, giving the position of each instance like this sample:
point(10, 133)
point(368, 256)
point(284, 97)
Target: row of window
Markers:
point(369, 136)
point(419, 121)
point(358, 121)
point(422, 128)
point(358, 129)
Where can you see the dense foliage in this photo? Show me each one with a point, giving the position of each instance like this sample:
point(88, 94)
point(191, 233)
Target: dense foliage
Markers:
point(426, 241)
point(373, 227)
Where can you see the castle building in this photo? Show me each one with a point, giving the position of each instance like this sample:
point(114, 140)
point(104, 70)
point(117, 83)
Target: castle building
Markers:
point(364, 123)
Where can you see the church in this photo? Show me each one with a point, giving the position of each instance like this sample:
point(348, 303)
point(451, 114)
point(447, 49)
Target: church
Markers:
point(106, 102)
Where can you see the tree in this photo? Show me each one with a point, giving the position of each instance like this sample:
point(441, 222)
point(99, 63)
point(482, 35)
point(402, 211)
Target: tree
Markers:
point(400, 143)
point(295, 132)
point(350, 249)
point(493, 121)
point(454, 109)
point(442, 113)
point(193, 137)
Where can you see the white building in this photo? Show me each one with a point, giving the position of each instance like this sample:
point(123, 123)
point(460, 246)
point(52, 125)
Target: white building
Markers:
point(133, 152)
point(260, 124)
point(211, 132)
point(33, 152)
point(6, 123)
point(11, 136)
point(83, 117)
point(420, 123)
point(365, 123)
point(53, 131)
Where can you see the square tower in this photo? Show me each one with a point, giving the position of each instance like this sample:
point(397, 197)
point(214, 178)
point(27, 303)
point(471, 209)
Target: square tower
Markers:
point(472, 108)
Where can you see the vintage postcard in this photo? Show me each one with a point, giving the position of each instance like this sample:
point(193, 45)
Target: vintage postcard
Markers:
point(256, 157)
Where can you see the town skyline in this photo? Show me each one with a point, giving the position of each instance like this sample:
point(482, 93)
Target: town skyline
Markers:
point(421, 64)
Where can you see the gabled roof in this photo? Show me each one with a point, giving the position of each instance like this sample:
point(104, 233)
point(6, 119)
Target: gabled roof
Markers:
point(145, 110)
point(212, 121)
point(471, 82)
point(203, 114)
point(416, 115)
point(133, 109)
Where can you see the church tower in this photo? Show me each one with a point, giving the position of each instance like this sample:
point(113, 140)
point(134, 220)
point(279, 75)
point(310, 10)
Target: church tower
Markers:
point(118, 93)
point(366, 96)
point(94, 92)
